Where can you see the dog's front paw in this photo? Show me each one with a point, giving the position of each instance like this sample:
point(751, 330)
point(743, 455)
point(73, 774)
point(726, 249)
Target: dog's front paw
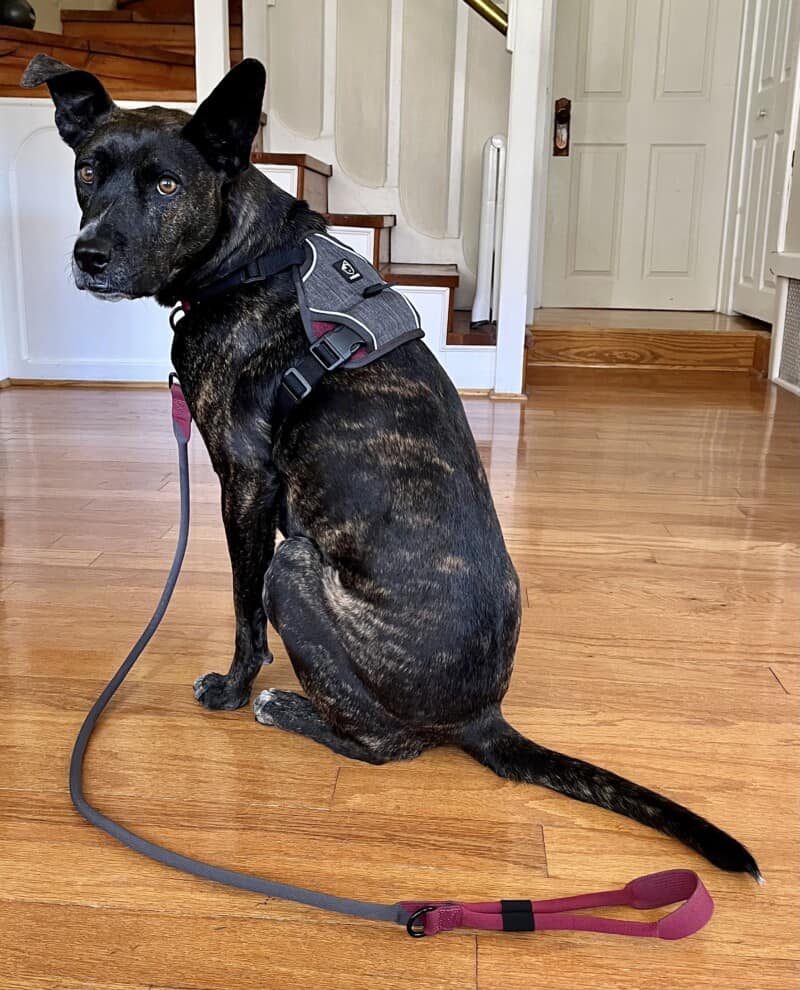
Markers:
point(215, 691)
point(261, 707)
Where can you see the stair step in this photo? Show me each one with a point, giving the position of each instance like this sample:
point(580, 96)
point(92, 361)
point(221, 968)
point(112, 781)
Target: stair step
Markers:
point(738, 349)
point(127, 27)
point(375, 220)
point(181, 11)
point(435, 302)
point(370, 234)
point(407, 273)
point(124, 69)
point(305, 177)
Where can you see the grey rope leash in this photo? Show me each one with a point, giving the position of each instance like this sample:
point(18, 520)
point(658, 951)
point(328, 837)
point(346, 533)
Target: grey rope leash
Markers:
point(257, 885)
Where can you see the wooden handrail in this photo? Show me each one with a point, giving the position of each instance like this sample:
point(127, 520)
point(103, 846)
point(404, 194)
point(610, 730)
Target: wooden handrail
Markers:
point(491, 13)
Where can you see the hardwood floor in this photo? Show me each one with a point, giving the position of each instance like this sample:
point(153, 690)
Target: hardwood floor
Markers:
point(654, 521)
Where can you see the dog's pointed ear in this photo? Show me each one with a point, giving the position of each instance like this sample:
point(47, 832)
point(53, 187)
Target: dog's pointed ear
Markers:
point(81, 102)
point(225, 124)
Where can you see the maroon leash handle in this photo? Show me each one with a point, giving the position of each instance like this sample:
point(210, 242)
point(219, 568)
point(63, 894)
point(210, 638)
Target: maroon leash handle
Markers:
point(652, 891)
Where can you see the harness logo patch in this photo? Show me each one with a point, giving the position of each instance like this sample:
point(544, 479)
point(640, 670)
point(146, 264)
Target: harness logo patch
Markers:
point(348, 272)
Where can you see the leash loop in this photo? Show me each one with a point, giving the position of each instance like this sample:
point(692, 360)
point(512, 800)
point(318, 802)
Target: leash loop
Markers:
point(652, 891)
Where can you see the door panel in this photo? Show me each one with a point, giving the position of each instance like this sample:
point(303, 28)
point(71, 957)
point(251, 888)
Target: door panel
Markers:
point(635, 211)
point(765, 170)
point(673, 207)
point(595, 209)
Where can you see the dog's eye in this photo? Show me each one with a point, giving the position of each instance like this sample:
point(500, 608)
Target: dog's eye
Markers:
point(167, 185)
point(86, 174)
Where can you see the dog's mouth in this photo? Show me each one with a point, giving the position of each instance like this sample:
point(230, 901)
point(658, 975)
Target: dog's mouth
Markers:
point(100, 287)
point(106, 293)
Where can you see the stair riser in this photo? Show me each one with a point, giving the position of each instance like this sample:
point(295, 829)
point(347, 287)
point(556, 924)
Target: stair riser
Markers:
point(607, 348)
point(173, 37)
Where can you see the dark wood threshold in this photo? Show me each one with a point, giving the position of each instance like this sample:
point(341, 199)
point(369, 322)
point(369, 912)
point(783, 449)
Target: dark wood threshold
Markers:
point(375, 220)
point(404, 273)
point(105, 16)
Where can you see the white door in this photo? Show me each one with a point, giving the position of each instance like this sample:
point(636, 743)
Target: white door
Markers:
point(635, 212)
point(765, 171)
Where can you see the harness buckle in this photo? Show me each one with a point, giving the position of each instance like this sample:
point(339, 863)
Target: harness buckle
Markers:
point(252, 272)
point(331, 351)
point(301, 387)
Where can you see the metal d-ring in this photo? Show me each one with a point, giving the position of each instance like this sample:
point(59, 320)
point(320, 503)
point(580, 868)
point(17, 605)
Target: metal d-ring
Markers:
point(419, 932)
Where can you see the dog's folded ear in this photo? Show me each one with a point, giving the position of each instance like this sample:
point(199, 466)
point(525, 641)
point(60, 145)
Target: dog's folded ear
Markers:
point(226, 123)
point(81, 102)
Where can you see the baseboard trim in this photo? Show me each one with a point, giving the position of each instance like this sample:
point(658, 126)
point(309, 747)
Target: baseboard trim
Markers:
point(79, 383)
point(508, 396)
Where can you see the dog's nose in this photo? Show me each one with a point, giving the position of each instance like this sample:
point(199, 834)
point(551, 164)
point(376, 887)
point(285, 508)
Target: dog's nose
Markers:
point(93, 255)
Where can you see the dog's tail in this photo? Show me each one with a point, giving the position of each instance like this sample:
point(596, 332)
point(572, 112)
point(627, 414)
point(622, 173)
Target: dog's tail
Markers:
point(498, 746)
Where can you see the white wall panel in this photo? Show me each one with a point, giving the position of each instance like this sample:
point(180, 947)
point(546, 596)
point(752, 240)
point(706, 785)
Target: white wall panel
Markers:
point(429, 31)
point(595, 209)
point(604, 48)
point(362, 79)
point(674, 188)
point(685, 48)
point(295, 64)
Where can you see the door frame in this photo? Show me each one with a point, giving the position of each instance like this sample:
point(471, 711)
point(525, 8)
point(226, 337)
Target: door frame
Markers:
point(734, 213)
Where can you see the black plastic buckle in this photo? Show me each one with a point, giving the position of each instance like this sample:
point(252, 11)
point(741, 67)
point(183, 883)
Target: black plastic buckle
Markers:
point(252, 272)
point(329, 345)
point(304, 386)
point(419, 932)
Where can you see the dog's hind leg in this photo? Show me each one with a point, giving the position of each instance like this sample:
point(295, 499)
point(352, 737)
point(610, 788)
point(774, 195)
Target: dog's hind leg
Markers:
point(294, 713)
point(339, 712)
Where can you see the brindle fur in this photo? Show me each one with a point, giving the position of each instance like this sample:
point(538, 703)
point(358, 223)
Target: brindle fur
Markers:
point(392, 590)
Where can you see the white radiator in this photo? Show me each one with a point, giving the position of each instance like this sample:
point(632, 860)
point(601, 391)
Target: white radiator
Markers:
point(484, 306)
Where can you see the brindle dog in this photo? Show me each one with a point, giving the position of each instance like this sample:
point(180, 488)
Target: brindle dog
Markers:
point(392, 590)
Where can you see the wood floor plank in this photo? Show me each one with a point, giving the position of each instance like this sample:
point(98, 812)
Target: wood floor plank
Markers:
point(655, 523)
point(209, 953)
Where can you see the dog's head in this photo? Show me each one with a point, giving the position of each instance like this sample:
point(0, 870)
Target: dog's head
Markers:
point(150, 182)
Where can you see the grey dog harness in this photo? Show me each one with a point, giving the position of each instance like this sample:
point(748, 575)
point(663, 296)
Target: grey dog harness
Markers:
point(351, 317)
